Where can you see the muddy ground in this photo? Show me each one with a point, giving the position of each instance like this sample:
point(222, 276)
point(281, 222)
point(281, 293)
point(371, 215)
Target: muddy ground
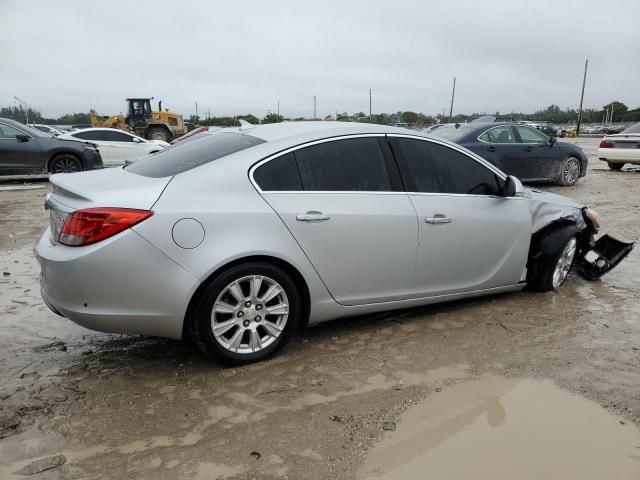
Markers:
point(81, 404)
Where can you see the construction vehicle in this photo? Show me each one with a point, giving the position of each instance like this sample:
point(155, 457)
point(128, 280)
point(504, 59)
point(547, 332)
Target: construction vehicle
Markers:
point(141, 120)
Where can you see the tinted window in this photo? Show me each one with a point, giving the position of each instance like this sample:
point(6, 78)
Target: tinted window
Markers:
point(529, 135)
point(344, 165)
point(113, 136)
point(502, 134)
point(434, 168)
point(97, 135)
point(8, 132)
point(279, 174)
point(182, 157)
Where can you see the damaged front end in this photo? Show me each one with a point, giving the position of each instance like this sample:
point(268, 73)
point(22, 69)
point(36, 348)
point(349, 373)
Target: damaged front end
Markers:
point(597, 257)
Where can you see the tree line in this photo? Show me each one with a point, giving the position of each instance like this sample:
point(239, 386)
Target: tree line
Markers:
point(618, 111)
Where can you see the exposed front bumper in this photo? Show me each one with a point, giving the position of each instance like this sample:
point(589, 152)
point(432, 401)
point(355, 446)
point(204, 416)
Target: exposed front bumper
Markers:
point(120, 285)
point(607, 253)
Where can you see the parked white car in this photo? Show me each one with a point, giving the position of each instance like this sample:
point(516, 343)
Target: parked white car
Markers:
point(116, 146)
point(621, 148)
point(54, 132)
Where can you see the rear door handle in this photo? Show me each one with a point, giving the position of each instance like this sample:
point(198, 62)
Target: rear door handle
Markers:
point(312, 216)
point(438, 218)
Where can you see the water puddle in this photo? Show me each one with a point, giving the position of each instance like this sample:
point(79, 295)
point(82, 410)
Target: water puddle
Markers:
point(501, 429)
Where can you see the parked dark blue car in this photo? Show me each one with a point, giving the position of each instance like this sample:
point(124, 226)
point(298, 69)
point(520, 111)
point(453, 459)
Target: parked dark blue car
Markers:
point(520, 150)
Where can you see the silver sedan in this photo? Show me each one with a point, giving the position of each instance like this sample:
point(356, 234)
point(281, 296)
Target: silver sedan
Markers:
point(235, 240)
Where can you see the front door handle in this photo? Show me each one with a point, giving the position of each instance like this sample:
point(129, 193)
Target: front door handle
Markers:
point(437, 218)
point(312, 216)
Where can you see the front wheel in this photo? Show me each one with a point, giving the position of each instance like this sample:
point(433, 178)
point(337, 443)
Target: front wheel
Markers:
point(555, 256)
point(159, 133)
point(615, 166)
point(569, 172)
point(65, 163)
point(246, 314)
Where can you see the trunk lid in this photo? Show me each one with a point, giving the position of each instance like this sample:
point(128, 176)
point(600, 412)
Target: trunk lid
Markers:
point(111, 187)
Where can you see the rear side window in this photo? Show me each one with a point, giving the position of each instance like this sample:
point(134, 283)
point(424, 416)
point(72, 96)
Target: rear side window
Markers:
point(434, 168)
point(503, 134)
point(113, 136)
point(97, 135)
point(188, 155)
point(356, 164)
point(280, 174)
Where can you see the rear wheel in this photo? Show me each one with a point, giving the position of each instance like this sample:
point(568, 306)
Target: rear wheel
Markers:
point(65, 163)
point(246, 314)
point(159, 133)
point(569, 171)
point(615, 166)
point(551, 265)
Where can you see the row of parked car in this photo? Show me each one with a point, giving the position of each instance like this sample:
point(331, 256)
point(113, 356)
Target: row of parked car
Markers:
point(519, 149)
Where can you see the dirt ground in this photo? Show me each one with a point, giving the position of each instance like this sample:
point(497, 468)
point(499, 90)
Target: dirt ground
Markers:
point(81, 404)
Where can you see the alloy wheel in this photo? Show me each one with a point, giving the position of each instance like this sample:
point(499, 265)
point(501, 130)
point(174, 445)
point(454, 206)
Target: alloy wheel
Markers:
point(65, 165)
point(249, 314)
point(564, 263)
point(571, 171)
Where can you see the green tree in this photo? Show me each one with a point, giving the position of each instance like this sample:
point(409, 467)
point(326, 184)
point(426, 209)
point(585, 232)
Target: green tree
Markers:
point(409, 117)
point(272, 118)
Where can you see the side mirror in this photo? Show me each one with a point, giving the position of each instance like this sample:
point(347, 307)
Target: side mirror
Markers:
point(552, 141)
point(136, 140)
point(21, 137)
point(513, 187)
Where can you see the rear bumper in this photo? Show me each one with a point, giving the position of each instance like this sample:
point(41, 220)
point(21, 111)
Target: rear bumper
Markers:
point(619, 155)
point(120, 285)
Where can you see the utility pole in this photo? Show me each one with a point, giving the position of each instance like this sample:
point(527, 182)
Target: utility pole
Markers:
point(584, 81)
point(197, 111)
point(278, 114)
point(453, 94)
point(370, 112)
point(314, 107)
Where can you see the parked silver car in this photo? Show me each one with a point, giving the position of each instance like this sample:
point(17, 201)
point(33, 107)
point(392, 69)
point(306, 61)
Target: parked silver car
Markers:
point(236, 239)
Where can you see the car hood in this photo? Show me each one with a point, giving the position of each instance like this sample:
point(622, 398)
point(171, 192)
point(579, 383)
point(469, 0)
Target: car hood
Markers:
point(546, 208)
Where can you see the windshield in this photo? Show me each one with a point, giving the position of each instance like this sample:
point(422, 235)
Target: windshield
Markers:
point(633, 128)
point(450, 132)
point(188, 155)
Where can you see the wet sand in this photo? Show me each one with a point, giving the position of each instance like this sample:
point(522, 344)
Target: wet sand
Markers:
point(84, 404)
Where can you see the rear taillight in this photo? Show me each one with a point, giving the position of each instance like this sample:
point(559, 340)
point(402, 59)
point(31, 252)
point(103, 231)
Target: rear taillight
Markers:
point(606, 144)
point(84, 227)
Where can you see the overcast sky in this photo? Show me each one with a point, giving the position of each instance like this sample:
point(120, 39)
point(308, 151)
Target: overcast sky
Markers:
point(242, 56)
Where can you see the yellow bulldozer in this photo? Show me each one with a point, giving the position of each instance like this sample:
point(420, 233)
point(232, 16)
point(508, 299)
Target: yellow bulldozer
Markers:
point(141, 120)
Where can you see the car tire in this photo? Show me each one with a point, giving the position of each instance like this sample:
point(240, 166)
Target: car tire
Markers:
point(570, 171)
point(159, 133)
point(241, 330)
point(65, 163)
point(551, 259)
point(615, 166)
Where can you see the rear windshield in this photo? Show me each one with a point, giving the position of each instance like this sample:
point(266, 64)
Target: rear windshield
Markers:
point(185, 156)
point(633, 129)
point(450, 132)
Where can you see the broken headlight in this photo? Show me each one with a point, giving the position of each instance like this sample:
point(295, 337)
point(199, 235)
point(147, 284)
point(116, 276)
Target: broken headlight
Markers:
point(593, 217)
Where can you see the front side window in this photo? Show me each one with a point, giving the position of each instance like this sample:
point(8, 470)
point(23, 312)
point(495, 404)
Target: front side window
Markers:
point(356, 164)
point(7, 131)
point(280, 174)
point(95, 135)
point(433, 168)
point(503, 134)
point(530, 135)
point(200, 151)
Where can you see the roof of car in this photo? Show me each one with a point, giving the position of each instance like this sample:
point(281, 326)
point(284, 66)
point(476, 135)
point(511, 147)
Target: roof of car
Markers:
point(279, 131)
